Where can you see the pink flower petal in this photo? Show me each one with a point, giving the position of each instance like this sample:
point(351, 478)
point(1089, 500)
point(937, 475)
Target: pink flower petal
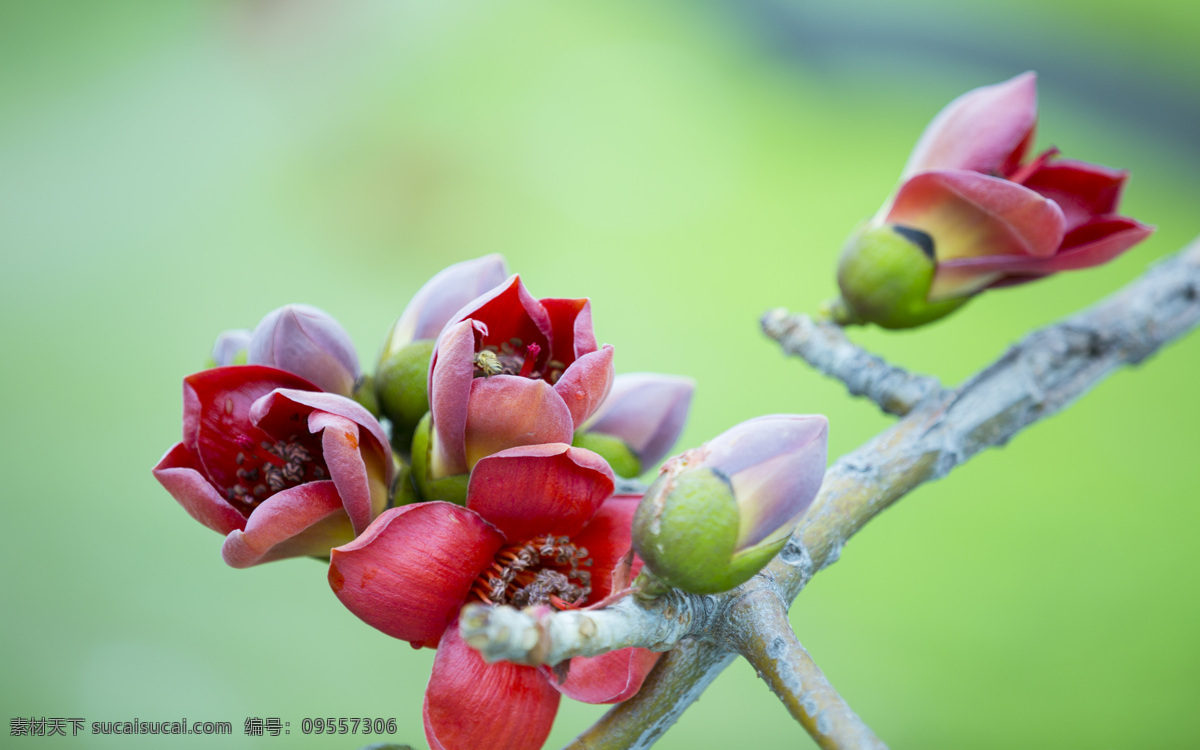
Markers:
point(340, 447)
point(1081, 190)
point(775, 464)
point(472, 704)
point(1096, 242)
point(271, 415)
point(442, 296)
point(451, 374)
point(357, 461)
point(985, 130)
point(586, 383)
point(229, 346)
point(539, 489)
point(962, 278)
point(410, 571)
point(608, 678)
point(505, 411)
point(307, 341)
point(971, 215)
point(179, 473)
point(646, 411)
point(303, 520)
point(571, 323)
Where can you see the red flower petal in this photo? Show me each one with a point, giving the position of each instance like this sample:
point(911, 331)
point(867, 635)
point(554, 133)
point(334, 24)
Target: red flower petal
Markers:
point(1096, 242)
point(216, 414)
point(984, 130)
point(505, 411)
point(347, 451)
point(1083, 191)
point(971, 215)
point(607, 539)
point(472, 704)
point(571, 328)
point(410, 571)
point(586, 383)
point(608, 678)
point(304, 520)
point(539, 489)
point(510, 312)
point(451, 373)
point(266, 417)
point(179, 473)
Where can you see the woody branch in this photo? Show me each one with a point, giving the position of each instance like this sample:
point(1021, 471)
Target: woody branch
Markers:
point(1036, 378)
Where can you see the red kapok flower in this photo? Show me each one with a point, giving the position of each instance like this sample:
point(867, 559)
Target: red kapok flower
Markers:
point(511, 370)
point(540, 528)
point(972, 213)
point(279, 467)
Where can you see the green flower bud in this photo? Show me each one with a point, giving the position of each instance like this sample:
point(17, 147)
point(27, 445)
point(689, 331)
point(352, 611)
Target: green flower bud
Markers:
point(364, 393)
point(614, 450)
point(401, 385)
point(885, 273)
point(452, 489)
point(718, 513)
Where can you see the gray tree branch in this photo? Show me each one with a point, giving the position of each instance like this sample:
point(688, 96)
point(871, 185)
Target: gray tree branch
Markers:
point(825, 347)
point(759, 631)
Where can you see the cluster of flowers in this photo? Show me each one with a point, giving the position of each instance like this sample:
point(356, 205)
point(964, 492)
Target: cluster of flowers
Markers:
point(479, 462)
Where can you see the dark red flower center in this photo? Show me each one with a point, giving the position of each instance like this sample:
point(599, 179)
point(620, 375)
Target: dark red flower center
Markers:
point(266, 466)
point(514, 357)
point(547, 570)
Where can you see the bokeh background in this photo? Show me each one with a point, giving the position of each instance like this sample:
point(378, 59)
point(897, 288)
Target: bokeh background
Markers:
point(172, 169)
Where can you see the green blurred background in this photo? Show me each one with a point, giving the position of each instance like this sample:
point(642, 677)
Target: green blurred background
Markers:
point(172, 169)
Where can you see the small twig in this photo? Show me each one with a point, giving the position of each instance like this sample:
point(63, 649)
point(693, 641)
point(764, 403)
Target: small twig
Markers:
point(537, 635)
point(825, 346)
point(758, 630)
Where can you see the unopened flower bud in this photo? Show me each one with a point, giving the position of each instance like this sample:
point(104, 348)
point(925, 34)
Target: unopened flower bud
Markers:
point(450, 489)
point(982, 212)
point(718, 513)
point(401, 377)
point(639, 421)
point(308, 342)
point(885, 273)
point(230, 348)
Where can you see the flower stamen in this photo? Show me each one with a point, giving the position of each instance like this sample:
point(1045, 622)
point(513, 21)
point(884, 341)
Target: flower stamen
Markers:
point(270, 467)
point(545, 570)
